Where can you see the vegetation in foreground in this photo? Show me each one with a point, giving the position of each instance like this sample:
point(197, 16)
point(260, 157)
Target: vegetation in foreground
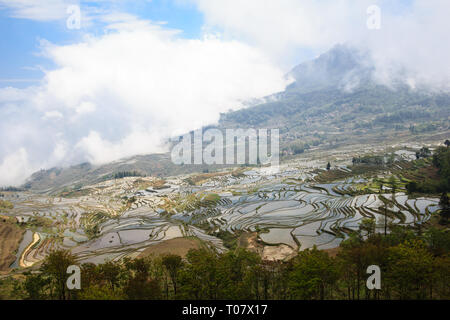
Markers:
point(414, 265)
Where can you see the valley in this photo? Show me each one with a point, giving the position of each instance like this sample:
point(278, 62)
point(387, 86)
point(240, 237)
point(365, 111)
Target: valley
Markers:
point(274, 214)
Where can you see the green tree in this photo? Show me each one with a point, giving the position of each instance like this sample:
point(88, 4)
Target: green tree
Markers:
point(199, 279)
point(441, 277)
point(234, 273)
point(99, 292)
point(313, 275)
point(410, 270)
point(173, 263)
point(111, 272)
point(55, 268)
point(438, 241)
point(393, 184)
point(444, 203)
point(36, 286)
point(140, 285)
point(351, 264)
point(367, 225)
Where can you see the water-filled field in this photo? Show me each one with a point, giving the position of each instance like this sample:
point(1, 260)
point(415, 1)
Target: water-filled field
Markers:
point(307, 214)
point(122, 217)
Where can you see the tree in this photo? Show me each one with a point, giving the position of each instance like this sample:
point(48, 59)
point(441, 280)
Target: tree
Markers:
point(351, 264)
point(393, 184)
point(328, 166)
point(441, 277)
point(447, 143)
point(438, 241)
point(199, 279)
point(385, 211)
point(140, 287)
point(264, 277)
point(173, 263)
point(444, 203)
point(410, 270)
point(411, 187)
point(36, 285)
point(91, 275)
point(99, 292)
point(368, 225)
point(313, 274)
point(234, 273)
point(424, 152)
point(111, 273)
point(55, 267)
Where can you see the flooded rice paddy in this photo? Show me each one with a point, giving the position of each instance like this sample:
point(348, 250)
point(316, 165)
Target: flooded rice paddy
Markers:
point(121, 218)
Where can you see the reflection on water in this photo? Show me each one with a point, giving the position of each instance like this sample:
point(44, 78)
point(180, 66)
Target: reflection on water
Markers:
point(27, 238)
point(278, 235)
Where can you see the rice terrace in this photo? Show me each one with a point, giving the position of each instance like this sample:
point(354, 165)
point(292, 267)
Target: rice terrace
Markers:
point(276, 216)
point(224, 158)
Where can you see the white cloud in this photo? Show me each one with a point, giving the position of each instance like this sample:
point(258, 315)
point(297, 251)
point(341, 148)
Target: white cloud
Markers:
point(85, 108)
point(42, 10)
point(14, 167)
point(52, 115)
point(100, 150)
point(62, 10)
point(410, 46)
point(124, 92)
point(10, 94)
point(284, 27)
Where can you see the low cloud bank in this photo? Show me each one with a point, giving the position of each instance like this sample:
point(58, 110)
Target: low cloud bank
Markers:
point(123, 94)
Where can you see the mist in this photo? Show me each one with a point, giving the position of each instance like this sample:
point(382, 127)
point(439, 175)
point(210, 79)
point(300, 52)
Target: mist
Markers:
point(127, 90)
point(124, 93)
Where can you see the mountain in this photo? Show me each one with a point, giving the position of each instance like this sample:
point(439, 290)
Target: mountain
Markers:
point(335, 92)
point(332, 98)
point(342, 67)
point(56, 179)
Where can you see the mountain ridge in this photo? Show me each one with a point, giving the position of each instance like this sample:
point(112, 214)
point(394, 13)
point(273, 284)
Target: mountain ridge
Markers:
point(332, 93)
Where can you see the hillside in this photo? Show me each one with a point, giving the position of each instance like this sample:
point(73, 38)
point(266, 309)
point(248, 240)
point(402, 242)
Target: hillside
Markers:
point(332, 99)
point(56, 179)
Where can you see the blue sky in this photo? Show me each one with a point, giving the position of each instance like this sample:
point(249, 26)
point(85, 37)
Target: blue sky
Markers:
point(124, 82)
point(20, 58)
point(20, 61)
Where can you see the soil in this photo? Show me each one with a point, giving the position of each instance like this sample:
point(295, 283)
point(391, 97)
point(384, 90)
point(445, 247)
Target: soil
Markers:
point(10, 237)
point(273, 252)
point(178, 246)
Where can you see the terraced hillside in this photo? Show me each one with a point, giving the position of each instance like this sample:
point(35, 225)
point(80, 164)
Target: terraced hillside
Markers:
point(299, 206)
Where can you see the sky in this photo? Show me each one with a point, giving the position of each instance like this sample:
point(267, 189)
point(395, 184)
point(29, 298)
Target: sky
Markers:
point(129, 74)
